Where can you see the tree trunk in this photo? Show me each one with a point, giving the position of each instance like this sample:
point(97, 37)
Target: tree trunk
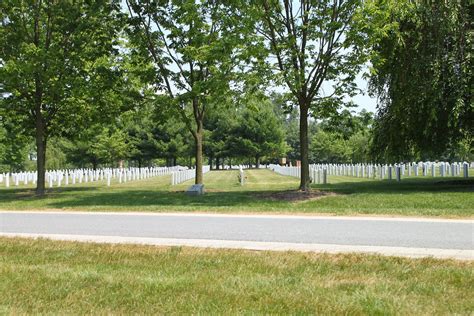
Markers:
point(41, 153)
point(198, 153)
point(198, 134)
point(304, 183)
point(198, 139)
point(218, 166)
point(257, 162)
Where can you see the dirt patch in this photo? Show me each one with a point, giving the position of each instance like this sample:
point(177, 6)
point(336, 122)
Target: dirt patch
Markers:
point(297, 196)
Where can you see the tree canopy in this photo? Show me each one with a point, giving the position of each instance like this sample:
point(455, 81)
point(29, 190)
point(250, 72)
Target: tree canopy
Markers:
point(422, 76)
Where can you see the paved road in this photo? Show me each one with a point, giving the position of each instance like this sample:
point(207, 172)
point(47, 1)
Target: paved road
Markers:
point(386, 232)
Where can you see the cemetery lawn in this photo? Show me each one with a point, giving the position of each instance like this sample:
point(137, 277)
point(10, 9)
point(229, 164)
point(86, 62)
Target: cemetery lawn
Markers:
point(264, 192)
point(53, 277)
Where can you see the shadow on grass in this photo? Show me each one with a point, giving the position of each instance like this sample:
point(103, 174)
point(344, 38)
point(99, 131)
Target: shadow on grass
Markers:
point(406, 186)
point(7, 195)
point(142, 198)
point(246, 199)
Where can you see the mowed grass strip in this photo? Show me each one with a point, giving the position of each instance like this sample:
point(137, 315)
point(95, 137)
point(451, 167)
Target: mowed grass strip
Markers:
point(446, 197)
point(41, 276)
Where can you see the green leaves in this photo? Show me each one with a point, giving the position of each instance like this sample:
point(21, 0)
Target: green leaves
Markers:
point(55, 53)
point(422, 75)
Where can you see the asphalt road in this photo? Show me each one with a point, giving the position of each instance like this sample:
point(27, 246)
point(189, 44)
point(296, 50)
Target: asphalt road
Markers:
point(387, 232)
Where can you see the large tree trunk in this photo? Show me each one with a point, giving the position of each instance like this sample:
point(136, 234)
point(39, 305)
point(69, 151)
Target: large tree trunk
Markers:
point(41, 154)
point(198, 139)
point(305, 181)
point(198, 134)
point(257, 162)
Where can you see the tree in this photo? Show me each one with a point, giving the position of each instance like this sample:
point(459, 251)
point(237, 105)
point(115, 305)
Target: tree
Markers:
point(359, 146)
point(138, 125)
point(79, 151)
point(57, 157)
point(422, 76)
point(218, 125)
point(194, 47)
point(171, 138)
point(346, 124)
point(56, 65)
point(111, 146)
point(329, 147)
point(14, 144)
point(258, 133)
point(314, 42)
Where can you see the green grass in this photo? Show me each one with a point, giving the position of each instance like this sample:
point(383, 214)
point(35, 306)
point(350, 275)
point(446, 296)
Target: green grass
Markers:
point(446, 197)
point(40, 276)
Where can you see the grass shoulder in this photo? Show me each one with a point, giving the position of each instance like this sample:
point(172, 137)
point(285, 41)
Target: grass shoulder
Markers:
point(42, 276)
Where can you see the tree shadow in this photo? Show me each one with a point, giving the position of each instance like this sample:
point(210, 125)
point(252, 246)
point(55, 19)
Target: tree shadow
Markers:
point(406, 186)
point(7, 195)
point(150, 198)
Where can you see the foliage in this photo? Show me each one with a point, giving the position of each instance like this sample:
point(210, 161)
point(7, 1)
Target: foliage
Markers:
point(347, 124)
point(343, 138)
point(172, 139)
point(111, 146)
point(79, 152)
point(57, 157)
point(422, 75)
point(14, 146)
point(258, 133)
point(219, 126)
point(329, 147)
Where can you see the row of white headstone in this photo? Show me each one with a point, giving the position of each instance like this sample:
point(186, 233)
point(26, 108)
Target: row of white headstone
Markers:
point(319, 172)
point(67, 177)
point(185, 175)
point(398, 170)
